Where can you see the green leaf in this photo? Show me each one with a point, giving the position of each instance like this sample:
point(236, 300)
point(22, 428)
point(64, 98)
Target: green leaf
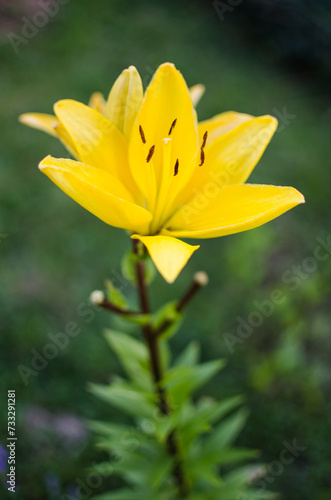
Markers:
point(190, 356)
point(169, 315)
point(129, 262)
point(167, 311)
point(138, 319)
point(130, 401)
point(106, 428)
point(182, 381)
point(160, 470)
point(195, 420)
point(223, 456)
point(148, 464)
point(226, 432)
point(203, 472)
point(133, 355)
point(165, 424)
point(128, 265)
point(244, 475)
point(120, 440)
point(190, 425)
point(165, 354)
point(150, 270)
point(115, 296)
point(213, 411)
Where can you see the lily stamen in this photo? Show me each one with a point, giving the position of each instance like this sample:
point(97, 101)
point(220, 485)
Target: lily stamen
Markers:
point(172, 126)
point(202, 157)
point(176, 167)
point(204, 139)
point(142, 135)
point(150, 153)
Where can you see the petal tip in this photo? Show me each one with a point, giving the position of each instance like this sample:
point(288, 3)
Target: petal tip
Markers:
point(300, 197)
point(167, 67)
point(62, 103)
point(24, 118)
point(269, 121)
point(44, 163)
point(169, 254)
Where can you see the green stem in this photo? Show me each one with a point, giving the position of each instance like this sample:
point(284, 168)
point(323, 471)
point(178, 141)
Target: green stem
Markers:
point(152, 342)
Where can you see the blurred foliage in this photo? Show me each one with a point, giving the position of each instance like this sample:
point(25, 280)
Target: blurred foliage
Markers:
point(203, 432)
point(53, 253)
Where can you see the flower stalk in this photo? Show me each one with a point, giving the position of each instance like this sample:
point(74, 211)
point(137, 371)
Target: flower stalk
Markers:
point(152, 335)
point(152, 341)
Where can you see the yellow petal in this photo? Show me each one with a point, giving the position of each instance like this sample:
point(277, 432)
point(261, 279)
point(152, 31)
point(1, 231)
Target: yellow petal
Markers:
point(124, 100)
point(235, 154)
point(231, 209)
point(168, 254)
point(40, 121)
point(66, 140)
point(230, 158)
point(221, 124)
point(97, 102)
point(196, 92)
point(167, 98)
point(98, 191)
point(97, 141)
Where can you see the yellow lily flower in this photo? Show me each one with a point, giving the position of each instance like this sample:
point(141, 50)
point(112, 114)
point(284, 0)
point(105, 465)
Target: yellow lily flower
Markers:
point(145, 165)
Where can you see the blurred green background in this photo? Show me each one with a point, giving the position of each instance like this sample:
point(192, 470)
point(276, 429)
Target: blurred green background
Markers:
point(253, 56)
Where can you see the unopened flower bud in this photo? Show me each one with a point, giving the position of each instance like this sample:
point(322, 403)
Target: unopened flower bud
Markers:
point(97, 297)
point(201, 278)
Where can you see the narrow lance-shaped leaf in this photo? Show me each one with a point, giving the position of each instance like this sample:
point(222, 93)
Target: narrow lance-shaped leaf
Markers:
point(130, 401)
point(134, 356)
point(190, 355)
point(182, 381)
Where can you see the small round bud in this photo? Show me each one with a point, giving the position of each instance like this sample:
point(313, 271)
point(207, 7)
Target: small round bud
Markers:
point(97, 297)
point(201, 278)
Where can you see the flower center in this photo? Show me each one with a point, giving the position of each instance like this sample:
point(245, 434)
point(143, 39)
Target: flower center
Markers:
point(168, 170)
